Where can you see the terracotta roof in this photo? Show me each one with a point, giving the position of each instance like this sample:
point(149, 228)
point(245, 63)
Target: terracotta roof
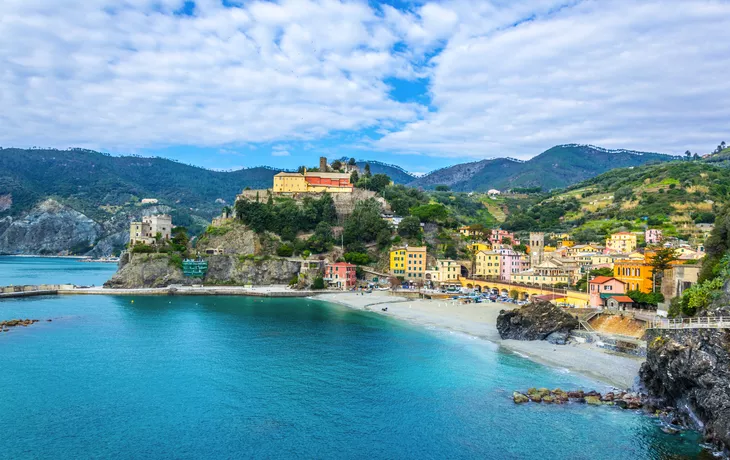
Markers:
point(623, 298)
point(603, 279)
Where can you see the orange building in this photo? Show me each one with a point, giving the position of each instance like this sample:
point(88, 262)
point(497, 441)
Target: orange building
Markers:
point(636, 274)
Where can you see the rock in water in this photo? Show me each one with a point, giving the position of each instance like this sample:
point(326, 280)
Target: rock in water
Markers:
point(519, 398)
point(535, 321)
point(690, 369)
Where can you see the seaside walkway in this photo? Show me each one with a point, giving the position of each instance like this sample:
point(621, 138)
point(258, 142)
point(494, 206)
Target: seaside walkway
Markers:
point(722, 322)
point(69, 289)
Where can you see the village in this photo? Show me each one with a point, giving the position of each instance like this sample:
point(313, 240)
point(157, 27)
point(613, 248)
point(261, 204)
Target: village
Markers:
point(512, 266)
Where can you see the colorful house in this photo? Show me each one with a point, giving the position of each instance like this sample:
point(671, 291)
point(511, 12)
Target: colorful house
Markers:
point(488, 264)
point(509, 264)
point(602, 287)
point(635, 273)
point(341, 275)
point(446, 272)
point(409, 262)
point(624, 242)
point(653, 236)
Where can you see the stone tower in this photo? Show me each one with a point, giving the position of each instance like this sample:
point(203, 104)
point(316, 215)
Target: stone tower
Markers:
point(537, 248)
point(323, 164)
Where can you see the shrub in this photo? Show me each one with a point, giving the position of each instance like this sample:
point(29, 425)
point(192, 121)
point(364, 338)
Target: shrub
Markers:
point(176, 260)
point(318, 283)
point(357, 258)
point(285, 250)
point(142, 249)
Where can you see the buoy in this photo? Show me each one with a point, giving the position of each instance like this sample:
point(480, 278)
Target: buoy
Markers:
point(132, 301)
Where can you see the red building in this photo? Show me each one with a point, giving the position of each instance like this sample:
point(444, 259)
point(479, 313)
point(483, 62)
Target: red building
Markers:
point(341, 275)
point(498, 235)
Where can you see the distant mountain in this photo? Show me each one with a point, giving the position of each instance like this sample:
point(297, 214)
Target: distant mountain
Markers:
point(557, 167)
point(397, 174)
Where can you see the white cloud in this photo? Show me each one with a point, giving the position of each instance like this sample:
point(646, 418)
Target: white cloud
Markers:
point(643, 75)
point(280, 153)
point(505, 78)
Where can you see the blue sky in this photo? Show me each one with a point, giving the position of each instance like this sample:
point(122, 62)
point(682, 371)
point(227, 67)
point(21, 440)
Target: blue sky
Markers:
point(227, 84)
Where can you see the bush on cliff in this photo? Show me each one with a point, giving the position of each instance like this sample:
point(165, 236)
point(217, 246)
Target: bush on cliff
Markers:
point(142, 249)
point(318, 283)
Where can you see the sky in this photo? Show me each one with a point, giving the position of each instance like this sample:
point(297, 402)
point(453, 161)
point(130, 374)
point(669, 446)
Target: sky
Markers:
point(227, 84)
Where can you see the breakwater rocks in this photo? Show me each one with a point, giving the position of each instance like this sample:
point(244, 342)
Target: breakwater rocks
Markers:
point(536, 321)
point(623, 399)
point(689, 369)
point(6, 325)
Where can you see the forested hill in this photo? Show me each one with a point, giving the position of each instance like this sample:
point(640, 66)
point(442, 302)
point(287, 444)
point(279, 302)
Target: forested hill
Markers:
point(88, 180)
point(558, 167)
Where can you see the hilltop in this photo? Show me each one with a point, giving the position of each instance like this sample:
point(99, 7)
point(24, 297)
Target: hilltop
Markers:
point(557, 167)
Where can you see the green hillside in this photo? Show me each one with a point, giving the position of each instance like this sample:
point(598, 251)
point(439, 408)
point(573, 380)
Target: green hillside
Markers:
point(94, 183)
point(397, 174)
point(558, 167)
point(674, 196)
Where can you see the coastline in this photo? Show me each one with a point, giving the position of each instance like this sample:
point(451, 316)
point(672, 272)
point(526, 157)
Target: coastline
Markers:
point(479, 320)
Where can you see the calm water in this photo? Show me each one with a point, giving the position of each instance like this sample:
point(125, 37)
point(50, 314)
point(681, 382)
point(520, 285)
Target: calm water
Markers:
point(46, 270)
point(232, 377)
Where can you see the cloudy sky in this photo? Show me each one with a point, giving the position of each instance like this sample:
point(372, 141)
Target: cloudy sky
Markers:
point(231, 83)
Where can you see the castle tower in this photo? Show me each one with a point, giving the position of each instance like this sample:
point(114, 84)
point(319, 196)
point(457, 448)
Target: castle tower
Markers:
point(537, 248)
point(323, 164)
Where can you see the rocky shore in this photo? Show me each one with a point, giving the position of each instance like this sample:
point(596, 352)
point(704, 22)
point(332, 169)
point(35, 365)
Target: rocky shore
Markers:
point(536, 321)
point(688, 370)
point(622, 399)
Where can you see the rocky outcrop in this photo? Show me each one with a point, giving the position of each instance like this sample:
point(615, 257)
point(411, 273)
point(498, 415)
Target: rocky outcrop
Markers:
point(158, 270)
point(146, 271)
point(231, 238)
point(49, 228)
point(536, 321)
point(689, 370)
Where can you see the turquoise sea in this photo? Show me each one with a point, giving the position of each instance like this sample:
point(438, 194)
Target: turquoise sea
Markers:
point(235, 377)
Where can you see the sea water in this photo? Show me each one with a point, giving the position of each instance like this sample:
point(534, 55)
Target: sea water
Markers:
point(237, 377)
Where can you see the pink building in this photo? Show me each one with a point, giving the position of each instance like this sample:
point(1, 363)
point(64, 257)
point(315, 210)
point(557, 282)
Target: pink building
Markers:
point(341, 275)
point(602, 287)
point(653, 236)
point(498, 236)
point(509, 263)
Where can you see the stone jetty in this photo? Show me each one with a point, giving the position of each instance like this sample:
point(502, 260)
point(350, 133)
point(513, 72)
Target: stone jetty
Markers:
point(6, 325)
point(622, 399)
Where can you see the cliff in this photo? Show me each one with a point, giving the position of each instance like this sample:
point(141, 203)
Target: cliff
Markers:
point(536, 321)
point(689, 369)
point(49, 228)
point(158, 270)
point(52, 228)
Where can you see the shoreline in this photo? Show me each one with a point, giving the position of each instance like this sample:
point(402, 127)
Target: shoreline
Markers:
point(479, 321)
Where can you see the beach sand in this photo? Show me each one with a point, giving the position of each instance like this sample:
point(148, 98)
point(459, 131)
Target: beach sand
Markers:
point(480, 320)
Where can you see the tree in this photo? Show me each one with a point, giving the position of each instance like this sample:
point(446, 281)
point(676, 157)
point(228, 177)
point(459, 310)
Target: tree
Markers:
point(354, 178)
point(661, 261)
point(336, 165)
point(365, 223)
point(514, 294)
point(520, 247)
point(688, 154)
point(378, 182)
point(507, 240)
point(352, 162)
point(433, 212)
point(284, 250)
point(368, 174)
point(180, 238)
point(410, 227)
point(357, 258)
point(322, 239)
point(442, 188)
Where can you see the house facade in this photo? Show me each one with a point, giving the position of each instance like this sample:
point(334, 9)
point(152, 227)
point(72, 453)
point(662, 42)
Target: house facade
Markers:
point(602, 287)
point(653, 236)
point(316, 182)
point(147, 230)
point(624, 242)
point(409, 262)
point(341, 275)
point(488, 264)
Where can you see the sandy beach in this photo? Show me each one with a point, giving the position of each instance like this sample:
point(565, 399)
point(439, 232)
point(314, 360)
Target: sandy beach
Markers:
point(480, 320)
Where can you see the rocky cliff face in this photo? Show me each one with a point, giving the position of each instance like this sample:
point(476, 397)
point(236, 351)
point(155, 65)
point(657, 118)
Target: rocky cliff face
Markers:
point(535, 321)
point(156, 270)
point(689, 370)
point(49, 228)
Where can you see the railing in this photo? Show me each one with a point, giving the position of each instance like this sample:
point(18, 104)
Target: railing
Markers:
point(721, 322)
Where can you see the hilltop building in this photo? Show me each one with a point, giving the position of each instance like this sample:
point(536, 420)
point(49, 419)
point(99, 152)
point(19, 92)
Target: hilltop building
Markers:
point(409, 262)
point(315, 182)
point(621, 242)
point(146, 231)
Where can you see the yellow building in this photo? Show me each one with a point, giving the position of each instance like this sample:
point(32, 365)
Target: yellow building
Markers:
point(548, 273)
point(408, 262)
point(488, 264)
point(446, 271)
point(476, 247)
point(469, 232)
point(316, 182)
point(635, 273)
point(622, 242)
